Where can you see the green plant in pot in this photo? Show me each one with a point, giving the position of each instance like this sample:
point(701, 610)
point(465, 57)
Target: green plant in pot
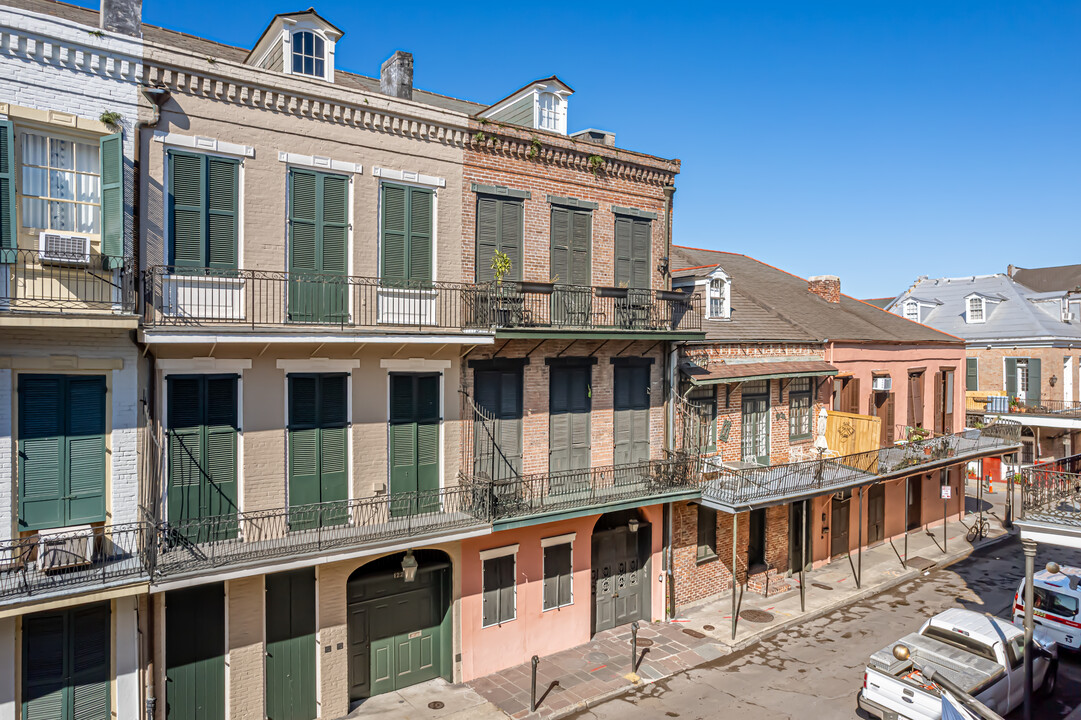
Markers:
point(501, 265)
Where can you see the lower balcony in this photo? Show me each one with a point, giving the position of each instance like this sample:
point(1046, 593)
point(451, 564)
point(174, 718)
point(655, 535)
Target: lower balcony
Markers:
point(237, 540)
point(1027, 410)
point(542, 497)
point(735, 489)
point(73, 561)
point(66, 282)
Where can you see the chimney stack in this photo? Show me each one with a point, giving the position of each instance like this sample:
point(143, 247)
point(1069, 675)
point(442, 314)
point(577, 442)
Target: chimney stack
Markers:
point(396, 76)
point(122, 16)
point(827, 287)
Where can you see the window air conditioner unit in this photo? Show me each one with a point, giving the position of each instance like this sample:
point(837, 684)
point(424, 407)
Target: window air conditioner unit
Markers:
point(64, 249)
point(1068, 317)
point(882, 384)
point(68, 547)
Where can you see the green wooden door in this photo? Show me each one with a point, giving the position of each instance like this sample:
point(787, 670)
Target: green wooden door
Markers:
point(631, 415)
point(61, 450)
point(498, 444)
point(290, 645)
point(318, 457)
point(318, 244)
point(202, 437)
point(569, 428)
point(195, 653)
point(414, 443)
point(66, 664)
point(406, 648)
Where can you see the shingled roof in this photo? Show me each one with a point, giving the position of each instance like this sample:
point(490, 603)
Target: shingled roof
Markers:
point(1066, 278)
point(772, 304)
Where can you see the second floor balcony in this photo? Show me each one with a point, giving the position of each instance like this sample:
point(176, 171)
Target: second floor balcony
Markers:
point(66, 282)
point(1051, 502)
point(1034, 410)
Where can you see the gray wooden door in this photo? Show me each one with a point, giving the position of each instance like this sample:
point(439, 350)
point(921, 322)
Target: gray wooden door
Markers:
point(569, 432)
point(839, 528)
point(618, 579)
point(631, 420)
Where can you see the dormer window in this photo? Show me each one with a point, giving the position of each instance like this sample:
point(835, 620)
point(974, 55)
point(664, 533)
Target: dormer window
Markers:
point(974, 312)
point(548, 111)
point(718, 298)
point(912, 311)
point(308, 54)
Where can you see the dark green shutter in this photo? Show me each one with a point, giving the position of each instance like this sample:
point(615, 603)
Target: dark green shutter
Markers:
point(498, 597)
point(111, 152)
point(89, 663)
point(1035, 389)
point(44, 667)
point(631, 414)
point(499, 229)
point(972, 376)
point(499, 393)
point(222, 191)
point(414, 440)
point(428, 442)
point(420, 235)
point(403, 436)
point(561, 245)
point(507, 587)
point(395, 232)
point(334, 209)
point(303, 243)
point(8, 229)
point(640, 253)
point(85, 452)
point(195, 653)
point(407, 234)
point(290, 645)
point(623, 232)
point(318, 456)
point(66, 664)
point(303, 441)
point(569, 432)
point(1011, 376)
point(187, 208)
point(318, 246)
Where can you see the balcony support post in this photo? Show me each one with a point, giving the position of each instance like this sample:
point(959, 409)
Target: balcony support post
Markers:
point(735, 530)
point(859, 543)
point(803, 558)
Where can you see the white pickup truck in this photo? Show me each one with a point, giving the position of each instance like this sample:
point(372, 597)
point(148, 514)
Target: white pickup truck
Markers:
point(981, 654)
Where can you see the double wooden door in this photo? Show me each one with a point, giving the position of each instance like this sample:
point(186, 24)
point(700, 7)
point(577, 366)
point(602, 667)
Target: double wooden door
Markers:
point(620, 587)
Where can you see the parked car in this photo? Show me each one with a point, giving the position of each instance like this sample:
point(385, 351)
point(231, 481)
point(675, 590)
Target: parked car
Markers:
point(983, 655)
point(1056, 604)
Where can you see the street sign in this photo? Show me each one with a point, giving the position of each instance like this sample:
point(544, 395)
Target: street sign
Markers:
point(947, 492)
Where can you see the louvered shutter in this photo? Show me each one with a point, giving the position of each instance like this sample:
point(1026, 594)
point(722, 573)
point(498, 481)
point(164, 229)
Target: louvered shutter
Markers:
point(185, 419)
point(85, 452)
point(640, 254)
point(428, 441)
point(403, 435)
point(1011, 377)
point(395, 251)
point(561, 245)
point(579, 406)
point(557, 576)
point(938, 402)
point(221, 448)
point(581, 238)
point(623, 233)
point(333, 451)
point(559, 441)
point(187, 207)
point(89, 663)
point(8, 228)
point(487, 237)
point(506, 589)
point(510, 236)
point(44, 668)
point(621, 422)
point(420, 236)
point(490, 592)
point(631, 416)
point(640, 398)
point(221, 222)
point(972, 375)
point(1034, 380)
point(303, 251)
point(889, 419)
point(41, 451)
point(303, 443)
point(334, 224)
point(915, 399)
point(111, 154)
point(510, 418)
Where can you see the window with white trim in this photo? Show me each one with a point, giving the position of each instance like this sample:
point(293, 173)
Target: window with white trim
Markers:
point(548, 111)
point(308, 54)
point(558, 576)
point(718, 298)
point(974, 313)
point(499, 590)
point(60, 186)
point(912, 311)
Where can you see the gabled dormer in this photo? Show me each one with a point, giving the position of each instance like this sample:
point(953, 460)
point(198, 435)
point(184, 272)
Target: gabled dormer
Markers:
point(978, 306)
point(713, 283)
point(541, 105)
point(916, 309)
point(298, 43)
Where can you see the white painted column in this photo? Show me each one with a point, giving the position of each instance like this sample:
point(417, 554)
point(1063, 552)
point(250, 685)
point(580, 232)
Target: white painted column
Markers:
point(9, 651)
point(8, 491)
point(127, 659)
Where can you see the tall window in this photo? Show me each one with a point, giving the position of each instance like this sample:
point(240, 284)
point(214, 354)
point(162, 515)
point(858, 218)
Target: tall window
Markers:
point(558, 575)
point(1022, 378)
point(975, 310)
point(717, 298)
point(61, 184)
point(308, 56)
point(799, 409)
point(912, 311)
point(203, 197)
point(548, 112)
point(498, 586)
point(705, 399)
point(755, 422)
point(707, 533)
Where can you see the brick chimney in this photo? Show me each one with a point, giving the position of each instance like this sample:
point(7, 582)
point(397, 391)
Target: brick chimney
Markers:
point(827, 287)
point(396, 75)
point(122, 16)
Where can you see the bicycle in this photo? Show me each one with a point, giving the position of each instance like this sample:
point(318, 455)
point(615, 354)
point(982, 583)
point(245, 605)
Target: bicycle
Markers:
point(980, 529)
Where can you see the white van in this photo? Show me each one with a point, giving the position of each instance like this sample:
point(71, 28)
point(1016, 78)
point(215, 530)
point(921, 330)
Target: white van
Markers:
point(1057, 605)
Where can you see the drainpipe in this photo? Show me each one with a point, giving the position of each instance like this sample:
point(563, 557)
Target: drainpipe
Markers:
point(155, 96)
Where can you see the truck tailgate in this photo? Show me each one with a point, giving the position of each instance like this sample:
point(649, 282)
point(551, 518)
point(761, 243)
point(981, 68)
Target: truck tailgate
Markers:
point(908, 701)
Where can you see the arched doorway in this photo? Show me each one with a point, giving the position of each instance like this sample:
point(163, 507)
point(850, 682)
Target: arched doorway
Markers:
point(399, 632)
point(620, 570)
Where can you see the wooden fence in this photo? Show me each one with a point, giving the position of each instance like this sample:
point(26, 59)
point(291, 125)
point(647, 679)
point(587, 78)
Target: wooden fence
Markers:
point(849, 433)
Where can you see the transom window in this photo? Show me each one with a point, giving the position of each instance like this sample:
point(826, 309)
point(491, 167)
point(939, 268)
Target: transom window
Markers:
point(912, 311)
point(61, 184)
point(548, 112)
point(308, 58)
point(975, 310)
point(716, 298)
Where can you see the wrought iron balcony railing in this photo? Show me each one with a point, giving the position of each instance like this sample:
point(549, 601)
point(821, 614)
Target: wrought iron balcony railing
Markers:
point(75, 560)
point(1005, 405)
point(534, 305)
point(264, 299)
point(247, 538)
point(68, 283)
point(748, 487)
point(542, 493)
point(1051, 491)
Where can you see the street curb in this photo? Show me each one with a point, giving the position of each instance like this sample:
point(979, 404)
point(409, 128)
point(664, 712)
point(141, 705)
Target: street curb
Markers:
point(770, 632)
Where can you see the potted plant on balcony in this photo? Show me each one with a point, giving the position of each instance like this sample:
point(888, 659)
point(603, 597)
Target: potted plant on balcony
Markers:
point(507, 304)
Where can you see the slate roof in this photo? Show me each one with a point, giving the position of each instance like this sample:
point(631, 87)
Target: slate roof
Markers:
point(1022, 314)
point(771, 304)
point(209, 48)
point(1047, 279)
point(879, 302)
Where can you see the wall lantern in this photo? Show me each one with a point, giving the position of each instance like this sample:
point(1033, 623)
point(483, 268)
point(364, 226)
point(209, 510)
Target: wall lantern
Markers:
point(409, 566)
point(632, 525)
point(1053, 380)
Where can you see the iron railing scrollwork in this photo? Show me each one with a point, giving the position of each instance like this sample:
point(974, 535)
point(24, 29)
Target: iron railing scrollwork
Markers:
point(31, 281)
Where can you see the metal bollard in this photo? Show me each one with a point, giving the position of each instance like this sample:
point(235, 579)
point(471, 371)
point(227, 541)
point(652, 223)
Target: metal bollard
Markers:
point(533, 686)
point(634, 645)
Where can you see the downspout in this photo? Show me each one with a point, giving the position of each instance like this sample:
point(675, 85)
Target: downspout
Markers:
point(669, 425)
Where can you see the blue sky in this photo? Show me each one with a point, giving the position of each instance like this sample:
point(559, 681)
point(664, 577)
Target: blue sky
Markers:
point(876, 140)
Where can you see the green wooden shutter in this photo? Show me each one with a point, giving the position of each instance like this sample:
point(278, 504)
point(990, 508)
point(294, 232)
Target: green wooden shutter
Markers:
point(44, 669)
point(621, 422)
point(559, 441)
point(85, 451)
point(395, 233)
point(631, 416)
point(290, 645)
point(89, 654)
point(303, 192)
point(507, 587)
point(41, 451)
point(561, 245)
point(333, 450)
point(111, 153)
point(623, 269)
point(403, 435)
point(220, 451)
point(510, 235)
point(1035, 388)
point(334, 221)
point(428, 442)
point(487, 237)
point(303, 443)
point(221, 222)
point(1011, 377)
point(185, 433)
point(581, 237)
point(187, 207)
point(579, 404)
point(8, 229)
point(972, 375)
point(510, 418)
point(195, 653)
point(640, 253)
point(420, 236)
